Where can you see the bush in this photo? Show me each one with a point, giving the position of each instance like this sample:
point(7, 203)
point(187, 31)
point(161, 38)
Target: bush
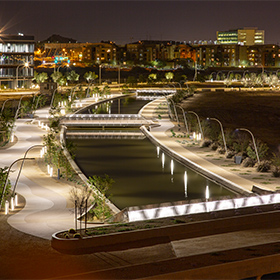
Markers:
point(248, 162)
point(77, 235)
point(264, 166)
point(275, 171)
point(71, 230)
point(221, 150)
point(230, 154)
point(214, 146)
point(206, 143)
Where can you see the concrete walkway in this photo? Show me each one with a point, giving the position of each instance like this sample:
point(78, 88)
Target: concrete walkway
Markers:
point(48, 207)
point(45, 211)
point(197, 161)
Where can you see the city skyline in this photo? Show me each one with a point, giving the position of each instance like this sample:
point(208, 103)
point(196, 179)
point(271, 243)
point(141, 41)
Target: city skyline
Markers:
point(129, 21)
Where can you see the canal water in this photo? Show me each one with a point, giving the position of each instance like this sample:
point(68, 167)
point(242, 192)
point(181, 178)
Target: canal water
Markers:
point(139, 173)
point(142, 174)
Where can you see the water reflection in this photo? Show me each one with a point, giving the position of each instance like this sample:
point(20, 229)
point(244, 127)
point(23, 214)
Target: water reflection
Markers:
point(138, 170)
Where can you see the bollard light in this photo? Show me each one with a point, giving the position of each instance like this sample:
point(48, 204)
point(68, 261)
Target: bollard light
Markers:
point(158, 151)
point(207, 194)
point(6, 207)
point(16, 199)
point(162, 159)
point(12, 204)
point(51, 172)
point(186, 183)
point(172, 166)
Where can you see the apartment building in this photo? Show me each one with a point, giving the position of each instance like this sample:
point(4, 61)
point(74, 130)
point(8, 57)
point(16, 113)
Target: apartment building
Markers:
point(16, 60)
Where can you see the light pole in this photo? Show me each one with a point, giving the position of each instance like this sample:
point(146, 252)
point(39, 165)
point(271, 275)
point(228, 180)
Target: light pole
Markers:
point(4, 104)
point(254, 142)
point(24, 65)
point(244, 73)
point(24, 157)
point(186, 124)
point(169, 110)
point(218, 74)
point(228, 74)
point(212, 76)
point(16, 115)
point(222, 130)
point(119, 76)
point(100, 66)
point(6, 181)
point(173, 103)
point(53, 97)
point(199, 123)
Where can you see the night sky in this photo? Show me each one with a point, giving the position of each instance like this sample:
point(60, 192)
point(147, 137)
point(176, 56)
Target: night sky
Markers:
point(129, 21)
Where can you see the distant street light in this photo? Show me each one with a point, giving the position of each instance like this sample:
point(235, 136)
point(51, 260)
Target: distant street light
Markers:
point(199, 123)
point(186, 124)
point(254, 142)
point(174, 109)
point(24, 65)
point(222, 130)
point(53, 97)
point(100, 80)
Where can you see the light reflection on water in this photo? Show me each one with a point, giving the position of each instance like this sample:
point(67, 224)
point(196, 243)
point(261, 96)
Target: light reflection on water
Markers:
point(138, 172)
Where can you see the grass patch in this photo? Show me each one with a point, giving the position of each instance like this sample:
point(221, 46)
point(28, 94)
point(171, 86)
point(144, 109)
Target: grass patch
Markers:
point(234, 169)
point(209, 155)
point(266, 183)
point(244, 173)
point(257, 178)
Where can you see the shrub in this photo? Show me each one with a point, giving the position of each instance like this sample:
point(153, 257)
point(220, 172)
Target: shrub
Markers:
point(275, 171)
point(230, 154)
point(77, 235)
point(71, 230)
point(206, 143)
point(264, 166)
point(248, 162)
point(221, 150)
point(214, 146)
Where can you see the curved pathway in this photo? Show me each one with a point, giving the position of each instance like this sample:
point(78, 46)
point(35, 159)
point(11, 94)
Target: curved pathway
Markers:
point(45, 211)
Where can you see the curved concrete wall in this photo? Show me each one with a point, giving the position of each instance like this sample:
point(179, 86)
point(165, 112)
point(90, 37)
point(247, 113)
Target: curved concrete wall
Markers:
point(195, 167)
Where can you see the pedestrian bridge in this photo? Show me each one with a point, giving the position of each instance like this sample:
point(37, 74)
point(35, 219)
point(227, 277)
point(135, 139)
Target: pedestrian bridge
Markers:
point(105, 134)
point(105, 120)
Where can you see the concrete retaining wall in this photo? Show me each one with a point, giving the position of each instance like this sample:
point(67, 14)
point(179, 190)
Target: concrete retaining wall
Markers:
point(161, 235)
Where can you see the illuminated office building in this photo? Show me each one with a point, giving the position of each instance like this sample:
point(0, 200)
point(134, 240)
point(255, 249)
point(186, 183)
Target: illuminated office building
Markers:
point(247, 36)
point(16, 60)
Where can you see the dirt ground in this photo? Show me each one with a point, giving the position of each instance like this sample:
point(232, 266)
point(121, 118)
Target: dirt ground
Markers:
point(256, 111)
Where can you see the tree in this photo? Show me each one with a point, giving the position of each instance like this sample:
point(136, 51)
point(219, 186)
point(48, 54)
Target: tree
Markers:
point(72, 76)
point(90, 76)
point(152, 77)
point(56, 76)
point(40, 77)
point(103, 185)
point(169, 76)
point(131, 80)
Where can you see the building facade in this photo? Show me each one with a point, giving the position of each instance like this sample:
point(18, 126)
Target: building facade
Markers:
point(244, 36)
point(16, 61)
